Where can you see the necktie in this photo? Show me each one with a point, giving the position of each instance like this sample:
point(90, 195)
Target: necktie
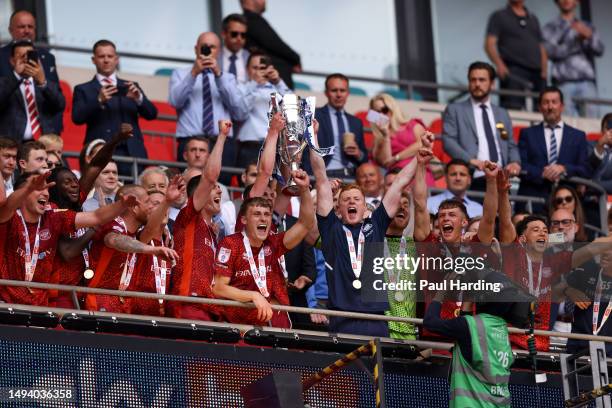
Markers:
point(489, 134)
point(32, 111)
point(552, 154)
point(107, 81)
point(341, 131)
point(232, 67)
point(208, 127)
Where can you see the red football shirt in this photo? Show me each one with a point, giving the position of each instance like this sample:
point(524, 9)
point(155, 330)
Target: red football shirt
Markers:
point(232, 262)
point(53, 223)
point(108, 265)
point(144, 280)
point(195, 243)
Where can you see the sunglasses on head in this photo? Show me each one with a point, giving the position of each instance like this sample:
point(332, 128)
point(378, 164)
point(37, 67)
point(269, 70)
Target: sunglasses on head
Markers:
point(566, 199)
point(235, 34)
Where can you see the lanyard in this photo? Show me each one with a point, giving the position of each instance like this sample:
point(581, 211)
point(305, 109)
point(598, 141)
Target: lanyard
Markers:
point(535, 293)
point(356, 256)
point(160, 269)
point(79, 233)
point(258, 273)
point(394, 275)
point(31, 256)
point(281, 259)
point(596, 305)
point(130, 262)
point(212, 236)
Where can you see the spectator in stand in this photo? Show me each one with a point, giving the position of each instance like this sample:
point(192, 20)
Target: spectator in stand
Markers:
point(475, 130)
point(334, 123)
point(565, 197)
point(398, 140)
point(105, 188)
point(515, 45)
point(22, 26)
point(105, 102)
point(32, 157)
point(572, 46)
point(233, 55)
point(196, 155)
point(88, 152)
point(600, 156)
point(8, 163)
point(203, 95)
point(53, 161)
point(262, 36)
point(458, 181)
point(28, 102)
point(154, 179)
point(370, 181)
point(518, 217)
point(263, 81)
point(53, 143)
point(550, 150)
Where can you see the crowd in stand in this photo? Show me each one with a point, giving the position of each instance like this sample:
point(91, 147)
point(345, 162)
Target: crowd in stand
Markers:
point(185, 234)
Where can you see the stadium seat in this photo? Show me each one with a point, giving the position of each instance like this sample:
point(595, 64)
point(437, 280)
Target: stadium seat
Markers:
point(357, 91)
point(593, 137)
point(301, 86)
point(164, 71)
point(435, 126)
point(516, 132)
point(396, 93)
point(160, 147)
point(368, 137)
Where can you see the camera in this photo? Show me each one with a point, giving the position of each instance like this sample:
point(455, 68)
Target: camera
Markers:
point(264, 62)
point(205, 50)
point(32, 55)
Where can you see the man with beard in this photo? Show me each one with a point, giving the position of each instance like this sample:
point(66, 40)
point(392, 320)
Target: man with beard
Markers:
point(247, 267)
point(195, 239)
point(477, 131)
point(31, 230)
point(115, 250)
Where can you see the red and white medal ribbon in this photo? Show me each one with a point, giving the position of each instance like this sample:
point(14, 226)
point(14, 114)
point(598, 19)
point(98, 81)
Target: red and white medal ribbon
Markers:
point(130, 262)
point(596, 306)
point(30, 255)
point(356, 256)
point(533, 292)
point(258, 272)
point(88, 273)
point(159, 269)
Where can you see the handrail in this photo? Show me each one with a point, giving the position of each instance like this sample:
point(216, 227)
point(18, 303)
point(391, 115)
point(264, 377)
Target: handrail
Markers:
point(282, 308)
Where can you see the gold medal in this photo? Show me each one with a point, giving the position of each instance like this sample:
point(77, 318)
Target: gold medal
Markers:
point(399, 296)
point(88, 274)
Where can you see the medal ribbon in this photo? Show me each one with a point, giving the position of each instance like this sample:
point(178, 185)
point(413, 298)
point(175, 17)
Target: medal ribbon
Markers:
point(596, 305)
point(130, 262)
point(160, 269)
point(31, 257)
point(356, 256)
point(535, 293)
point(258, 273)
point(85, 252)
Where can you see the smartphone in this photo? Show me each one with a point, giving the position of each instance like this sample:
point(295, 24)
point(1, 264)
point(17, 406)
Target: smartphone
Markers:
point(122, 90)
point(32, 55)
point(205, 50)
point(377, 117)
point(265, 62)
point(556, 238)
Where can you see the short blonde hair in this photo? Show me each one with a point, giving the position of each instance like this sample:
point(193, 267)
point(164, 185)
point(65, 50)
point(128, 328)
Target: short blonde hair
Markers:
point(51, 139)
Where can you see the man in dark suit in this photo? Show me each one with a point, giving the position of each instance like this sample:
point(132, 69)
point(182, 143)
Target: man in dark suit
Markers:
point(477, 131)
point(28, 101)
point(105, 102)
point(551, 150)
point(334, 122)
point(22, 26)
point(262, 36)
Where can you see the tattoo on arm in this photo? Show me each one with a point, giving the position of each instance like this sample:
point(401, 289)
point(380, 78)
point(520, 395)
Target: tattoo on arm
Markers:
point(124, 243)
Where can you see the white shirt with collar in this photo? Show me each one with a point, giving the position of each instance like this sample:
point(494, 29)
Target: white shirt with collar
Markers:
point(27, 134)
point(8, 186)
point(558, 137)
point(374, 201)
point(241, 61)
point(483, 143)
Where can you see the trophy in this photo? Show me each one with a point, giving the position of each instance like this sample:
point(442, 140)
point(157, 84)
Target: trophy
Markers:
point(297, 134)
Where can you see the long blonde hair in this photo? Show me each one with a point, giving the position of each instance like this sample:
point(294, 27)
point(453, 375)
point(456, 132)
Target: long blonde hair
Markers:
point(396, 120)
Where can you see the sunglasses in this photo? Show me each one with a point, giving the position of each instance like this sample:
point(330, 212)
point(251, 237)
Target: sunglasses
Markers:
point(234, 34)
point(566, 222)
point(566, 199)
point(384, 110)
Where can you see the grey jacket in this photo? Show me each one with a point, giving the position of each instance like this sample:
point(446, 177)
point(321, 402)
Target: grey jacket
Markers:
point(461, 140)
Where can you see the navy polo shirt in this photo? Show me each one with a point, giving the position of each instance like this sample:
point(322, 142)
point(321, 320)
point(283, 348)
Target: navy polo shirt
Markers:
point(585, 280)
point(342, 294)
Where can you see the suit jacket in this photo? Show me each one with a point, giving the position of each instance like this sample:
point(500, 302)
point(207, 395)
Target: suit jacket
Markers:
point(602, 168)
point(460, 137)
point(573, 154)
point(326, 137)
point(262, 36)
point(13, 114)
point(103, 121)
point(48, 62)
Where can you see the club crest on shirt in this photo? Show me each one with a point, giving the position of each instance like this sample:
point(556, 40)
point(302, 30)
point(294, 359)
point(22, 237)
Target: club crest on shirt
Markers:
point(45, 234)
point(224, 255)
point(267, 251)
point(546, 272)
point(367, 227)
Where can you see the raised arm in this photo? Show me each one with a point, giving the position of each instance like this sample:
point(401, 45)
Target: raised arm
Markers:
point(305, 222)
point(104, 155)
point(155, 222)
point(103, 214)
point(325, 196)
point(267, 160)
point(15, 200)
point(507, 232)
point(213, 168)
point(422, 228)
point(486, 229)
point(131, 245)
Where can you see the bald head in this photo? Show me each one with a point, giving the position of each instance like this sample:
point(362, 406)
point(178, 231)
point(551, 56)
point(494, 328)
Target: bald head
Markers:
point(211, 40)
point(131, 189)
point(22, 26)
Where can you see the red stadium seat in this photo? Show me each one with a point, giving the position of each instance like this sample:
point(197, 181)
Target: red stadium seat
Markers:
point(368, 137)
point(593, 137)
point(160, 147)
point(516, 132)
point(435, 126)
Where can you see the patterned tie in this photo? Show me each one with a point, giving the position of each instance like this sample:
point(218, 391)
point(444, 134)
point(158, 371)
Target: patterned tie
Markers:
point(341, 131)
point(208, 126)
point(232, 67)
point(32, 111)
point(552, 154)
point(489, 134)
point(107, 81)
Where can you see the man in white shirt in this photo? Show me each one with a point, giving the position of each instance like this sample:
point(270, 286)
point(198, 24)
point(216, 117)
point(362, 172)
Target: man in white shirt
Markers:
point(233, 55)
point(458, 181)
point(8, 162)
